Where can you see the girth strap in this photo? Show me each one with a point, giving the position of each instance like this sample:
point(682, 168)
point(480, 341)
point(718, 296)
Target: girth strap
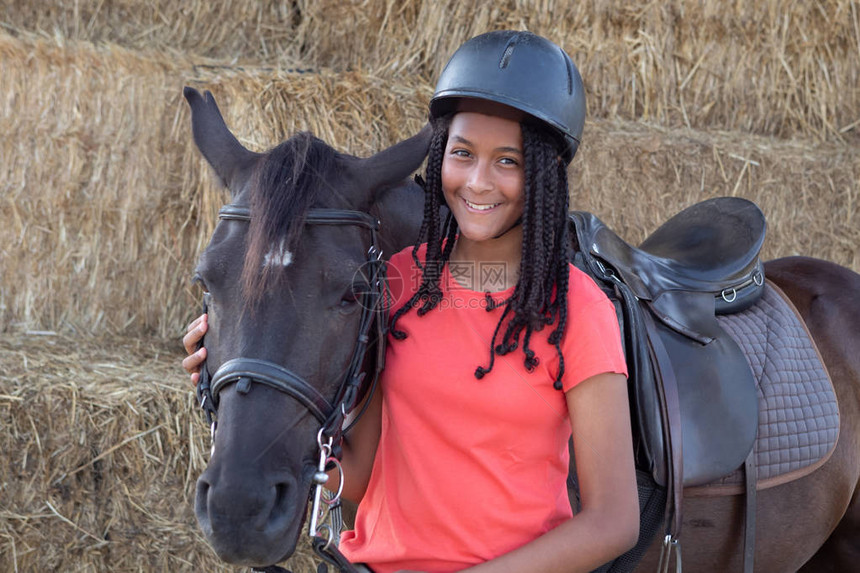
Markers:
point(275, 376)
point(749, 512)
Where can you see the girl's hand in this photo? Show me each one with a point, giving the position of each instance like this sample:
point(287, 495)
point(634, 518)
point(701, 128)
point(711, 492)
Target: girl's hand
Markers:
point(192, 338)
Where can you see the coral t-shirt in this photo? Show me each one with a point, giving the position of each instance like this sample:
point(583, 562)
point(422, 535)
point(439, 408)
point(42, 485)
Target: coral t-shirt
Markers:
point(466, 469)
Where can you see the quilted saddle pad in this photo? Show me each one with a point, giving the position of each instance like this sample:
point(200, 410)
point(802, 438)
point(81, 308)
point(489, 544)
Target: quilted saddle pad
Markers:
point(798, 414)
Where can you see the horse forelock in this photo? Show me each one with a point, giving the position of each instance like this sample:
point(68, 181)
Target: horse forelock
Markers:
point(285, 185)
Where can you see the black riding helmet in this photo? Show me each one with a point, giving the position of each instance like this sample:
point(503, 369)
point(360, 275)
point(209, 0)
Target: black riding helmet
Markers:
point(521, 70)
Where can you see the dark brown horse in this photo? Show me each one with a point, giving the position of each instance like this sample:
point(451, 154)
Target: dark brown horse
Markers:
point(811, 524)
point(299, 306)
point(283, 292)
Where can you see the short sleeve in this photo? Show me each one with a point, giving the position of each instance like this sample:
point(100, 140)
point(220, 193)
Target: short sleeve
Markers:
point(592, 340)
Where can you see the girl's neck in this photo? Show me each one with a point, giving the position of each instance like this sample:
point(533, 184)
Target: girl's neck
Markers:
point(496, 261)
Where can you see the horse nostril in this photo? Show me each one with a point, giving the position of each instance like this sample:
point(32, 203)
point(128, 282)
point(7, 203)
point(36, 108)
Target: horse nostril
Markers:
point(201, 505)
point(281, 497)
point(280, 513)
point(202, 491)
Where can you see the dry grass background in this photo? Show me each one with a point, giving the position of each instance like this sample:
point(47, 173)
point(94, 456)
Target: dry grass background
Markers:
point(105, 202)
point(775, 67)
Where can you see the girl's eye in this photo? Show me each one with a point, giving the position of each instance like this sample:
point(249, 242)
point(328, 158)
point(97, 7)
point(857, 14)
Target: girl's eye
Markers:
point(460, 153)
point(508, 161)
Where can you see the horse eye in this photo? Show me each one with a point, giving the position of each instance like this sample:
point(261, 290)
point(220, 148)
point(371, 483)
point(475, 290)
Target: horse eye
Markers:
point(353, 294)
point(349, 298)
point(197, 279)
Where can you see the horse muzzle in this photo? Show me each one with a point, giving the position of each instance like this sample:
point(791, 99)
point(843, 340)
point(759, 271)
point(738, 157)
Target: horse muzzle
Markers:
point(251, 519)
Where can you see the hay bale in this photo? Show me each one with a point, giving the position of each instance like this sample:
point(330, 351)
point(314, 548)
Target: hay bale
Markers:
point(775, 68)
point(635, 176)
point(103, 444)
point(109, 201)
point(789, 69)
point(235, 31)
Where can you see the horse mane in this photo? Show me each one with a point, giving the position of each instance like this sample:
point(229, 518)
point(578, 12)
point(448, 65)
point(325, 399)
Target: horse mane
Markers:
point(284, 186)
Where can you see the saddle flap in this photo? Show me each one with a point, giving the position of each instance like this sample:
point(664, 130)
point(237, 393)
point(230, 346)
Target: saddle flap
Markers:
point(690, 313)
point(718, 404)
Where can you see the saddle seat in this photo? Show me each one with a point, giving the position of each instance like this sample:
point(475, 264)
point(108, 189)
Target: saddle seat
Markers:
point(712, 246)
point(705, 246)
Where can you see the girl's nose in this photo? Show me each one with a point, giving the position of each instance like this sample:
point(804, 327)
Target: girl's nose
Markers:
point(480, 179)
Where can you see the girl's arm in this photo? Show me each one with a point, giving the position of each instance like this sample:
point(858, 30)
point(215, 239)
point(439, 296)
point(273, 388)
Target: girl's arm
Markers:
point(359, 450)
point(608, 524)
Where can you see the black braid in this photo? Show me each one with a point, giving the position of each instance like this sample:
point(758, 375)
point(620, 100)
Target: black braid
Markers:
point(491, 305)
point(540, 295)
point(429, 293)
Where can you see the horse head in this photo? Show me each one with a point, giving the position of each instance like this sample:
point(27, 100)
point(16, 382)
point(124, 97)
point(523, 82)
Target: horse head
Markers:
point(287, 278)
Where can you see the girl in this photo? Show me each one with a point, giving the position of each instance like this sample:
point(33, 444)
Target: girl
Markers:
point(499, 348)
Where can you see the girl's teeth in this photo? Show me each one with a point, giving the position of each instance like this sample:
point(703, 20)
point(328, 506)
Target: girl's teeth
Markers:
point(480, 207)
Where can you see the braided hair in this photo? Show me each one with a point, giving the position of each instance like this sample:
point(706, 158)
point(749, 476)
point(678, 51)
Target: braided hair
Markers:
point(539, 298)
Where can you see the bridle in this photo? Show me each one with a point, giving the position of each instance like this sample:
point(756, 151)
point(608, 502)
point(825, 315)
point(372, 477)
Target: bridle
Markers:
point(331, 414)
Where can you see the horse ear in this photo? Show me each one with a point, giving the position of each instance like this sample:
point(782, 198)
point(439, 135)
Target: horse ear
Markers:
point(230, 159)
point(394, 164)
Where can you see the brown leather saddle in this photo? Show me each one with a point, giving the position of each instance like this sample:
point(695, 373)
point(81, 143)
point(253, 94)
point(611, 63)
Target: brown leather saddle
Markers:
point(692, 393)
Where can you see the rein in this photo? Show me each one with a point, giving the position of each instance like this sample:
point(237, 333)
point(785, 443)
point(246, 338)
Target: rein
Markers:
point(331, 414)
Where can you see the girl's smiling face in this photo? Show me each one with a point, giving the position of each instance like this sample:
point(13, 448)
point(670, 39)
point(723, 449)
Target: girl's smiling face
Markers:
point(482, 173)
